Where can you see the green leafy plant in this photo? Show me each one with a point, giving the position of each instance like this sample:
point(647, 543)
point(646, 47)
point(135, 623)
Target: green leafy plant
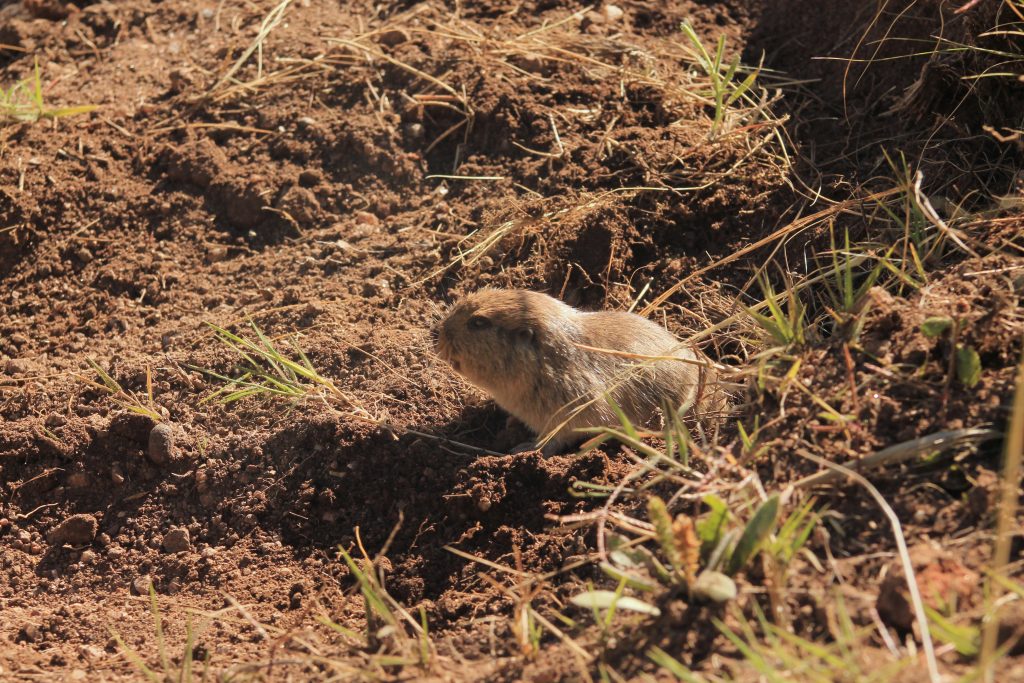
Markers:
point(784, 327)
point(965, 363)
point(968, 365)
point(726, 89)
point(850, 278)
point(700, 556)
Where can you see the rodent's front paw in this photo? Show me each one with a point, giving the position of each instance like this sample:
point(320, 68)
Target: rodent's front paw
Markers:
point(549, 449)
point(552, 448)
point(525, 447)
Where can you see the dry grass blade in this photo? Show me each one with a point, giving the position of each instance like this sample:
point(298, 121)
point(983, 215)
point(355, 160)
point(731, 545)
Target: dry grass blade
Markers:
point(122, 397)
point(268, 24)
point(269, 371)
point(901, 545)
point(783, 232)
point(1005, 520)
point(902, 452)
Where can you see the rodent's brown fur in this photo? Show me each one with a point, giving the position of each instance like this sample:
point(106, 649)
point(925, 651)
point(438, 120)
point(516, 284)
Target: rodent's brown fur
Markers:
point(523, 348)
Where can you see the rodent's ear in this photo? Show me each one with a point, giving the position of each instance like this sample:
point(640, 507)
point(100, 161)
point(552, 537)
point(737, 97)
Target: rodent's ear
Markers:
point(524, 335)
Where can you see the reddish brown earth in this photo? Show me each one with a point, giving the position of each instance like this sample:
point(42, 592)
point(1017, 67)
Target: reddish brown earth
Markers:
point(309, 202)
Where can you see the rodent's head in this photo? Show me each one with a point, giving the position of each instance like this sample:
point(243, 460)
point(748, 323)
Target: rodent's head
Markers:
point(494, 337)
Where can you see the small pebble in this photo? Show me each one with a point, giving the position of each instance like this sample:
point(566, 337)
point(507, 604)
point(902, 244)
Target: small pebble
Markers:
point(140, 586)
point(161, 443)
point(367, 218)
point(612, 13)
point(393, 37)
point(30, 633)
point(217, 253)
point(414, 131)
point(177, 540)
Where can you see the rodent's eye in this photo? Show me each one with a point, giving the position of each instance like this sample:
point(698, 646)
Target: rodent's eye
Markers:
point(525, 335)
point(478, 322)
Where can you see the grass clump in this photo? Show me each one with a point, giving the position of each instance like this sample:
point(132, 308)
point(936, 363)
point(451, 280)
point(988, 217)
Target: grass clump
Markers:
point(270, 372)
point(179, 669)
point(126, 399)
point(23, 102)
point(725, 88)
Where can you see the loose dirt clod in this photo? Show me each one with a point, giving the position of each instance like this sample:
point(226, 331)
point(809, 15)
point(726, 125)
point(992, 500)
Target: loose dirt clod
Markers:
point(75, 530)
point(162, 443)
point(176, 541)
point(141, 585)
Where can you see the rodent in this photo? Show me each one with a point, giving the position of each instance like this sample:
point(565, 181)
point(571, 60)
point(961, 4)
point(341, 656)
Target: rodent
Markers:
point(524, 349)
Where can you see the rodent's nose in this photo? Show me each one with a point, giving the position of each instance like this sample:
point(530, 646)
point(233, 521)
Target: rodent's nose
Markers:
point(435, 332)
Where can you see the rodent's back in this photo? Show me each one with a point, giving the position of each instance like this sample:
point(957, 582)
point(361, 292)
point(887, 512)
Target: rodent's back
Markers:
point(641, 384)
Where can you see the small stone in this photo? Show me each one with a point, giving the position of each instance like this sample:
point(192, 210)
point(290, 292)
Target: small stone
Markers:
point(413, 131)
point(367, 218)
point(140, 586)
point(393, 37)
point(30, 633)
point(55, 420)
point(301, 204)
point(310, 178)
point(161, 443)
point(78, 480)
point(84, 255)
point(21, 366)
point(91, 652)
point(216, 253)
point(75, 530)
point(531, 63)
point(177, 540)
point(88, 557)
point(612, 13)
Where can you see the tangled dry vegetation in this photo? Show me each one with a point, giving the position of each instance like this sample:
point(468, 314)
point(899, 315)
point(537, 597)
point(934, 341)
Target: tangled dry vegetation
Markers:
point(853, 263)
